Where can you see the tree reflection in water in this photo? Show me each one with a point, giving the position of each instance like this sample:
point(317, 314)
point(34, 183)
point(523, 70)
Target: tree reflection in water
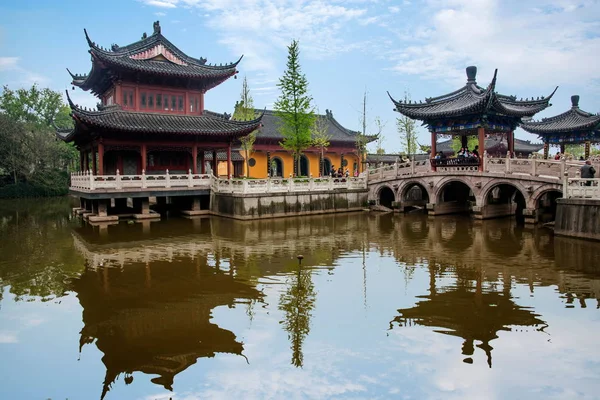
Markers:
point(297, 302)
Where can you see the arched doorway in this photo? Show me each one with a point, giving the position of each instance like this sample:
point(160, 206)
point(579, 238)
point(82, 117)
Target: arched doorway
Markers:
point(326, 167)
point(276, 167)
point(386, 197)
point(304, 166)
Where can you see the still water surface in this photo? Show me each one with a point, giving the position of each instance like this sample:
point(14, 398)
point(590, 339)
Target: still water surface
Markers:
point(398, 307)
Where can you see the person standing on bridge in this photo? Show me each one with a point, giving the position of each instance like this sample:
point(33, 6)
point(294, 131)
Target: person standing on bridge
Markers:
point(588, 171)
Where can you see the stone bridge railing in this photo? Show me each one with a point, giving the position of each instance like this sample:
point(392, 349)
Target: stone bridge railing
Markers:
point(565, 172)
point(88, 182)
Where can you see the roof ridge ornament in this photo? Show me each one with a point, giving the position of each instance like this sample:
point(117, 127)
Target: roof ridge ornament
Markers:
point(471, 74)
point(156, 27)
point(575, 101)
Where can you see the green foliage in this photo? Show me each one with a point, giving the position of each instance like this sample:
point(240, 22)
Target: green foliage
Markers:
point(244, 111)
point(407, 131)
point(30, 154)
point(294, 107)
point(424, 148)
point(320, 138)
point(297, 303)
point(380, 125)
point(472, 141)
point(575, 150)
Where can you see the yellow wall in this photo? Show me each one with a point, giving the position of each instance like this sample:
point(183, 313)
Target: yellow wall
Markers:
point(260, 168)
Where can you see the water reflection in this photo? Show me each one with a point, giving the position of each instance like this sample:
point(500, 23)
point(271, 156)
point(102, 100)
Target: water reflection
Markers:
point(154, 317)
point(148, 292)
point(472, 313)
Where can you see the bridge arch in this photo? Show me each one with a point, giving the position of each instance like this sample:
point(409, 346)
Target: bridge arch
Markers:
point(385, 196)
point(544, 202)
point(504, 198)
point(408, 190)
point(447, 187)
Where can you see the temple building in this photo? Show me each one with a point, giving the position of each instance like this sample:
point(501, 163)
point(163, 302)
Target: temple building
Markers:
point(151, 115)
point(571, 127)
point(270, 159)
point(472, 110)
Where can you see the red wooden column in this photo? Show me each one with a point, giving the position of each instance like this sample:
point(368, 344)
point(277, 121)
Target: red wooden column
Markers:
point(562, 148)
point(81, 161)
point(510, 138)
point(144, 162)
point(202, 162)
point(481, 136)
point(100, 158)
point(194, 158)
point(229, 160)
point(94, 169)
point(433, 147)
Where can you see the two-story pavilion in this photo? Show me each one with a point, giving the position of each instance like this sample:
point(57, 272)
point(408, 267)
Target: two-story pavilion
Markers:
point(270, 159)
point(151, 115)
point(472, 110)
point(574, 126)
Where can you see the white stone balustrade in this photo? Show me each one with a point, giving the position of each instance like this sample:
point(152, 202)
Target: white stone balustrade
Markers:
point(502, 167)
point(581, 188)
point(88, 182)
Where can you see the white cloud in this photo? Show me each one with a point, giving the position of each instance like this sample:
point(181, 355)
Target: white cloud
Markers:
point(8, 337)
point(261, 29)
point(7, 63)
point(160, 14)
point(534, 46)
point(20, 76)
point(161, 3)
point(394, 9)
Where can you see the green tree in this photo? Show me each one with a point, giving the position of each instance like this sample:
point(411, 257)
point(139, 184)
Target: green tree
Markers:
point(29, 151)
point(407, 131)
point(244, 111)
point(575, 150)
point(472, 141)
point(379, 126)
point(320, 138)
point(294, 107)
point(361, 140)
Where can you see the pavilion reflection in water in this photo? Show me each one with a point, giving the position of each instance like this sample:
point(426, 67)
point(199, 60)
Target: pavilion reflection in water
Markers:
point(148, 292)
point(156, 317)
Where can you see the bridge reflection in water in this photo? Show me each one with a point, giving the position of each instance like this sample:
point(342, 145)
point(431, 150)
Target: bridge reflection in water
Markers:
point(148, 293)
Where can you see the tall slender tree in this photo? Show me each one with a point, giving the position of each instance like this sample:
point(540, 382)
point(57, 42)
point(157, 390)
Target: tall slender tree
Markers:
point(294, 107)
point(320, 138)
point(244, 111)
point(407, 131)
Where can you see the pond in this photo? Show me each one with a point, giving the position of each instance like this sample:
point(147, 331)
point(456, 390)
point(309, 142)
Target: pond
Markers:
point(347, 306)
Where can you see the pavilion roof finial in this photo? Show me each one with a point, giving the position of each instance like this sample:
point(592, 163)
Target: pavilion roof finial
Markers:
point(575, 101)
point(471, 74)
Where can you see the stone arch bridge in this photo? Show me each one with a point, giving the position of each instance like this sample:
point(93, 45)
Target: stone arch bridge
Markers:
point(505, 187)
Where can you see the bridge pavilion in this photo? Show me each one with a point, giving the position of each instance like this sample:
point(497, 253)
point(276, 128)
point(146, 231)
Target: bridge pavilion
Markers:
point(572, 127)
point(472, 110)
point(151, 113)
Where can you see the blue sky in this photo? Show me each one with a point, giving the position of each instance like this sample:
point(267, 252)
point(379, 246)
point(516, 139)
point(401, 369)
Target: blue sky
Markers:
point(347, 47)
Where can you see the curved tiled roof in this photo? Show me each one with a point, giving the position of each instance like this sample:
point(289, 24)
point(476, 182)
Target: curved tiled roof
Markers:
point(117, 119)
point(138, 57)
point(271, 124)
point(571, 121)
point(471, 100)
